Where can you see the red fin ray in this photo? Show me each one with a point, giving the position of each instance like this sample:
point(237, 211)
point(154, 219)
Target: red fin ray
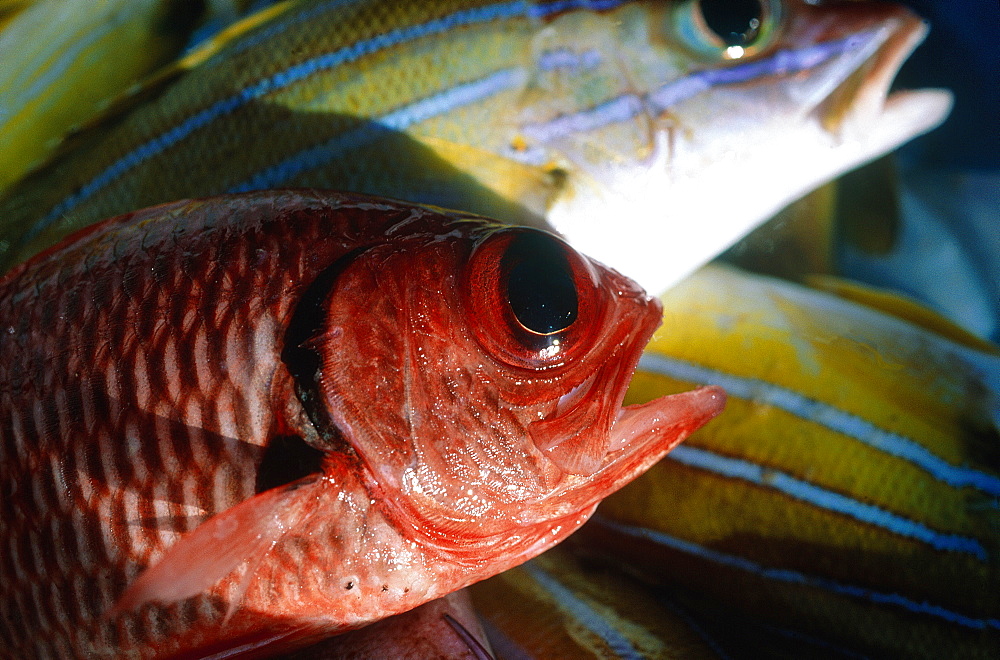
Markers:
point(243, 533)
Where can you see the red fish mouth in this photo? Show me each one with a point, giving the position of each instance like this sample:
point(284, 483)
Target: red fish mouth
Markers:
point(586, 433)
point(640, 435)
point(614, 445)
point(644, 433)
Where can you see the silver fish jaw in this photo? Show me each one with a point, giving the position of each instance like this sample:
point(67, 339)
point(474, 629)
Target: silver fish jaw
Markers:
point(668, 174)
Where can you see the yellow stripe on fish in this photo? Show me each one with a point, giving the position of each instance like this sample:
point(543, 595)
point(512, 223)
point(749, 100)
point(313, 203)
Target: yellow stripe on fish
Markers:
point(66, 60)
point(851, 490)
point(570, 110)
point(567, 609)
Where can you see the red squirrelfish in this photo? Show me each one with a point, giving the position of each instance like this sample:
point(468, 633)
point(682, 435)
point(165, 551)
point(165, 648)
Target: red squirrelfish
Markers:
point(246, 423)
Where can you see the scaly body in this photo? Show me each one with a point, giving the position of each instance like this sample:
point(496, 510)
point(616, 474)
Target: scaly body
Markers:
point(269, 418)
point(851, 492)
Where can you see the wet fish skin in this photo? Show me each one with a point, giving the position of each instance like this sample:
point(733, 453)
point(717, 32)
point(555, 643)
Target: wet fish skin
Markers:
point(156, 362)
point(444, 628)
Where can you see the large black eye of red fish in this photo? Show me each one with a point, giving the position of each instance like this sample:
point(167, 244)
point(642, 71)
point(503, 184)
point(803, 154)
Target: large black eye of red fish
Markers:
point(540, 288)
point(532, 299)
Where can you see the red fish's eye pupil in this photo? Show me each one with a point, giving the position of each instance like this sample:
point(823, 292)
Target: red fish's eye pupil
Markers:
point(735, 22)
point(540, 287)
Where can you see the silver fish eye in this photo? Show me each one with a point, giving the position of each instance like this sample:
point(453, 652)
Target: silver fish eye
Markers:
point(726, 29)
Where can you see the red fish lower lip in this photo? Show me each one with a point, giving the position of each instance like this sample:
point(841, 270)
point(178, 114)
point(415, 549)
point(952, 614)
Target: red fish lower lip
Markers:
point(641, 435)
point(643, 422)
point(644, 433)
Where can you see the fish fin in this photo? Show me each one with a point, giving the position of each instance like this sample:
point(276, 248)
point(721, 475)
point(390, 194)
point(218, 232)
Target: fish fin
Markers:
point(532, 186)
point(803, 233)
point(901, 307)
point(245, 532)
point(252, 563)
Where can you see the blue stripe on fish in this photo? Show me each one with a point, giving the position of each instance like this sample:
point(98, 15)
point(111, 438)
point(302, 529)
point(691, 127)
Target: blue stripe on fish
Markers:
point(303, 70)
point(795, 577)
point(782, 62)
point(619, 109)
point(560, 6)
point(563, 58)
point(825, 415)
point(583, 613)
point(825, 499)
point(402, 118)
point(629, 106)
point(397, 120)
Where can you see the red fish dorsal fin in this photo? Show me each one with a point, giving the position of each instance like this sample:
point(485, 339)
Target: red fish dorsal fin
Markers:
point(244, 532)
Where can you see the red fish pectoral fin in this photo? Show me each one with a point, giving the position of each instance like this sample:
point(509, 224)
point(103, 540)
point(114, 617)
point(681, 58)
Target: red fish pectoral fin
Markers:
point(218, 546)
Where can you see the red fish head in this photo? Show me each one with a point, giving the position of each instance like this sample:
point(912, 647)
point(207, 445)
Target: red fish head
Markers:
point(479, 376)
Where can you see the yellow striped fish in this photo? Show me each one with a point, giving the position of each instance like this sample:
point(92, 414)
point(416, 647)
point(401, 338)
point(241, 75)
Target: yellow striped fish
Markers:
point(11, 8)
point(615, 121)
point(65, 60)
point(567, 609)
point(851, 490)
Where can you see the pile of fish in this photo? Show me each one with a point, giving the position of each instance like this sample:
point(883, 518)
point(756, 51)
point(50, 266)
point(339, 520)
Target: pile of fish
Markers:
point(241, 416)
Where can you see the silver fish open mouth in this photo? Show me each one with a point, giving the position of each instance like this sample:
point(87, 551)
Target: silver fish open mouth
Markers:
point(861, 103)
point(730, 146)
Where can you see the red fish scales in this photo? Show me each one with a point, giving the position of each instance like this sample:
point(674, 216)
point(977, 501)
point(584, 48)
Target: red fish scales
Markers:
point(129, 345)
point(156, 364)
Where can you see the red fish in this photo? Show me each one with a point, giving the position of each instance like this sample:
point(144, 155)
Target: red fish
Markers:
point(250, 422)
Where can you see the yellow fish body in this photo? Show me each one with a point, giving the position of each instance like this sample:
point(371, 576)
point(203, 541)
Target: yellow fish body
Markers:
point(567, 609)
point(612, 121)
point(851, 490)
point(63, 64)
